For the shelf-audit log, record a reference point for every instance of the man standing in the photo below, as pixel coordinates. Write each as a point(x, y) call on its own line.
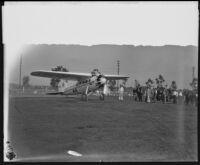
point(148, 93)
point(149, 86)
point(174, 91)
point(136, 91)
point(121, 92)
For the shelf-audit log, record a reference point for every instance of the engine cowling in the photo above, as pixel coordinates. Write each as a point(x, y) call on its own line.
point(101, 80)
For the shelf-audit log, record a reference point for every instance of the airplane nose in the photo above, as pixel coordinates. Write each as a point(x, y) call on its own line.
point(103, 80)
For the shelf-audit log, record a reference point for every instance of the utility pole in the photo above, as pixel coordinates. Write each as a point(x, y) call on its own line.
point(20, 71)
point(118, 62)
point(193, 68)
point(193, 77)
point(118, 65)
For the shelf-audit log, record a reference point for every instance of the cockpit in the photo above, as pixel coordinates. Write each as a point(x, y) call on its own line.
point(95, 72)
point(83, 82)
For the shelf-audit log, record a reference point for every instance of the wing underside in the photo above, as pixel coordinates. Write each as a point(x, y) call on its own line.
point(62, 75)
point(116, 77)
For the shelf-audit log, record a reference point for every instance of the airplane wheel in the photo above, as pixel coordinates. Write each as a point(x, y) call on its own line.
point(102, 97)
point(84, 97)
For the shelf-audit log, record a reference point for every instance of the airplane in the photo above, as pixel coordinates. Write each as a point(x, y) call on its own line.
point(87, 83)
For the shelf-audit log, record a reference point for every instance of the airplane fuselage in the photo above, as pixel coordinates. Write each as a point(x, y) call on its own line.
point(83, 87)
point(90, 82)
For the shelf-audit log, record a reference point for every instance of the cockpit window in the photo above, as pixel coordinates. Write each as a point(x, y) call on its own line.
point(95, 72)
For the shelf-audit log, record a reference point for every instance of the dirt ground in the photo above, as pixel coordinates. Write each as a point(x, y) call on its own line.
point(45, 128)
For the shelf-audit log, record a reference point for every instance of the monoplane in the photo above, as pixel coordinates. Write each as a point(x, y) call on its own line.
point(86, 83)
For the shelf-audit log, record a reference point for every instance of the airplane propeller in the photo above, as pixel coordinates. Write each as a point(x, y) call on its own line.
point(102, 81)
point(105, 85)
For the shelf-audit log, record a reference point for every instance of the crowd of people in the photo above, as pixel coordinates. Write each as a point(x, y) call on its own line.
point(160, 91)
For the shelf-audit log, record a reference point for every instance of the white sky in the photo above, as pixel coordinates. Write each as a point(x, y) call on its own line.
point(87, 23)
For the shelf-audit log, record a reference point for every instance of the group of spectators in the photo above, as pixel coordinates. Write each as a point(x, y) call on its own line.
point(163, 93)
point(160, 92)
point(149, 93)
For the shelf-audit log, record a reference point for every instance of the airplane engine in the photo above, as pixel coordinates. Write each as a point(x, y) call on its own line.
point(102, 80)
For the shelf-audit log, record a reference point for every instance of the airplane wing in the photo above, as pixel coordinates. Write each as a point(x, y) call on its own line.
point(62, 75)
point(116, 77)
point(73, 75)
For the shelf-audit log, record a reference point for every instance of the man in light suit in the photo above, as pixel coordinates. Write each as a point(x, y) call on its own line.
point(121, 92)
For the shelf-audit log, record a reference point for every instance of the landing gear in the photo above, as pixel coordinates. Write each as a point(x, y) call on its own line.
point(102, 96)
point(84, 97)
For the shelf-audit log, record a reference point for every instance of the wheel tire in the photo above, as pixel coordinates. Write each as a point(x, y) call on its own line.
point(102, 97)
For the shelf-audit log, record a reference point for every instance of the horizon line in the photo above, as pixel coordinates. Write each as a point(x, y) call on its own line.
point(107, 44)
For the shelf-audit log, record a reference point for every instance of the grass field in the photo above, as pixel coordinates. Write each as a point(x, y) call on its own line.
point(45, 128)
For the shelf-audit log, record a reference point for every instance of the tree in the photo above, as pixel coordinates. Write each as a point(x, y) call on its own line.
point(161, 78)
point(55, 81)
point(26, 81)
point(194, 83)
point(124, 81)
point(136, 83)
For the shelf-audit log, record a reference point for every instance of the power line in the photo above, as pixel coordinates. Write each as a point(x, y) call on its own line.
point(118, 65)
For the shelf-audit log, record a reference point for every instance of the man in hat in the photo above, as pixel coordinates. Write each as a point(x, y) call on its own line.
point(121, 92)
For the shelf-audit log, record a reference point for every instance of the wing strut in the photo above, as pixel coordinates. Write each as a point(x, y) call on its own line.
point(85, 95)
point(86, 91)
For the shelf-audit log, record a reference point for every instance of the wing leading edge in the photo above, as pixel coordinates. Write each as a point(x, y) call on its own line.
point(61, 75)
point(73, 75)
point(116, 77)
